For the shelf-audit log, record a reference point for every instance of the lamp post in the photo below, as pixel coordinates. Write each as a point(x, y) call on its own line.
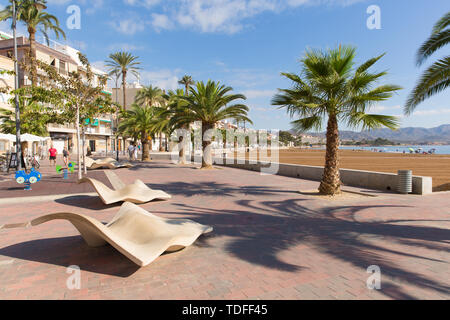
point(16, 5)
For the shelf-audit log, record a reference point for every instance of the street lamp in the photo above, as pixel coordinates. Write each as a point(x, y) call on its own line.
point(17, 5)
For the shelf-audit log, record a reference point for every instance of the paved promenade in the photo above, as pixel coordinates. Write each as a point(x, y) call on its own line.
point(269, 242)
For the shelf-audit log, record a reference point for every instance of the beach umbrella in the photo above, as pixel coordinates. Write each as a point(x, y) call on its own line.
point(411, 149)
point(31, 138)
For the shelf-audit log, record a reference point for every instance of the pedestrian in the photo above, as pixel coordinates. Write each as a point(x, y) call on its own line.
point(131, 151)
point(53, 153)
point(66, 157)
point(136, 152)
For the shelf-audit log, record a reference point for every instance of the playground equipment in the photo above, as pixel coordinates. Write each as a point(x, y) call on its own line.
point(22, 177)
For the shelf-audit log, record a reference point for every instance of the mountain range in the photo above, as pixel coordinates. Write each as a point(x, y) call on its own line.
point(439, 134)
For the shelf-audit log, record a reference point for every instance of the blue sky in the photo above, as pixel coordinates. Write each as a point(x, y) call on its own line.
point(247, 43)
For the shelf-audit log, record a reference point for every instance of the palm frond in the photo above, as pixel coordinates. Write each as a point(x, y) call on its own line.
point(434, 43)
point(434, 80)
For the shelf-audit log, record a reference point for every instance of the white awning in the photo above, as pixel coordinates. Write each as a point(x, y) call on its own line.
point(9, 137)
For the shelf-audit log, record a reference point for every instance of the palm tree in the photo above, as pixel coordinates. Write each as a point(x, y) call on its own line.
point(123, 62)
point(437, 77)
point(138, 122)
point(187, 82)
point(330, 87)
point(152, 97)
point(209, 104)
point(35, 19)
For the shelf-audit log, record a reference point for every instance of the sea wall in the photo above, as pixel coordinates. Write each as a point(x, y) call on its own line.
point(354, 178)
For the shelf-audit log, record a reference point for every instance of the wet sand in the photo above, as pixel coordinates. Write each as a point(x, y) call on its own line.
point(435, 166)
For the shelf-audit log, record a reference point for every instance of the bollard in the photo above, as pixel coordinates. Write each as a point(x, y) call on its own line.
point(404, 181)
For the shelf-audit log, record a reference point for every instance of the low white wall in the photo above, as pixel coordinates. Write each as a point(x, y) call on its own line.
point(354, 178)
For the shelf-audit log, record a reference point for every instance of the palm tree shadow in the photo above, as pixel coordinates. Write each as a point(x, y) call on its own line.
point(214, 189)
point(261, 231)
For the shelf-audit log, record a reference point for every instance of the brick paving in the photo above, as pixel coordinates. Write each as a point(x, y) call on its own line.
point(269, 242)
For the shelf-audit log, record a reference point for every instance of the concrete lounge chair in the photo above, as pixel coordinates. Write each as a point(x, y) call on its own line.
point(107, 163)
point(137, 192)
point(137, 234)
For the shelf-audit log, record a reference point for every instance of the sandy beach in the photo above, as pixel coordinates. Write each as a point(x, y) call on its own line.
point(435, 166)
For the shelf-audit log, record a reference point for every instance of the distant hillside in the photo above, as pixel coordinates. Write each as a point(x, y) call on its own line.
point(404, 135)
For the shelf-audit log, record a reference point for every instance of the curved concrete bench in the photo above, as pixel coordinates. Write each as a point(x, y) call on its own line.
point(107, 163)
point(137, 192)
point(137, 234)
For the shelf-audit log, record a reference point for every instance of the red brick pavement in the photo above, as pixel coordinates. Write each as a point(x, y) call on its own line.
point(269, 242)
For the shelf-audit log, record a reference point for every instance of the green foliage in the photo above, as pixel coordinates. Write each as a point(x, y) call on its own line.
point(209, 103)
point(123, 62)
point(330, 85)
point(150, 96)
point(60, 96)
point(34, 19)
point(436, 78)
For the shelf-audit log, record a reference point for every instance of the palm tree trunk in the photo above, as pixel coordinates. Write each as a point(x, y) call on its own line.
point(124, 84)
point(161, 148)
point(206, 144)
point(145, 147)
point(32, 39)
point(331, 181)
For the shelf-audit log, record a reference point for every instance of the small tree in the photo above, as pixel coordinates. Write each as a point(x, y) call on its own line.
point(74, 97)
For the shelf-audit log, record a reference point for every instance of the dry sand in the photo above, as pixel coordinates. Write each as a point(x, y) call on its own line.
point(435, 166)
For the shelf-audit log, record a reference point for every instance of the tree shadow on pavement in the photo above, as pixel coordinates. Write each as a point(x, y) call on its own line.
point(261, 230)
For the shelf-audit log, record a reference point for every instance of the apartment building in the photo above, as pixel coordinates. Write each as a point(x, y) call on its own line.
point(99, 134)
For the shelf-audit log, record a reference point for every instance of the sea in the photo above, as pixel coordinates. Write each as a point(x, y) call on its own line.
point(400, 149)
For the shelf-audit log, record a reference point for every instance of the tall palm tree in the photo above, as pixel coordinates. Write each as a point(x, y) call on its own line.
point(35, 20)
point(437, 77)
point(138, 122)
point(331, 89)
point(187, 82)
point(123, 62)
point(210, 103)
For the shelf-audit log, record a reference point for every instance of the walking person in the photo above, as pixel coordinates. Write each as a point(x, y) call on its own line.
point(66, 156)
point(136, 149)
point(53, 153)
point(131, 151)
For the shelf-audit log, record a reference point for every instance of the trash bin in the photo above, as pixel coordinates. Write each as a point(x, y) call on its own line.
point(404, 181)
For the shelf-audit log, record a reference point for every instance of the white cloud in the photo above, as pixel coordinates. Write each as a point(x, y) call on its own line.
point(161, 21)
point(252, 94)
point(164, 79)
point(226, 16)
point(124, 47)
point(145, 3)
point(100, 65)
point(128, 26)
